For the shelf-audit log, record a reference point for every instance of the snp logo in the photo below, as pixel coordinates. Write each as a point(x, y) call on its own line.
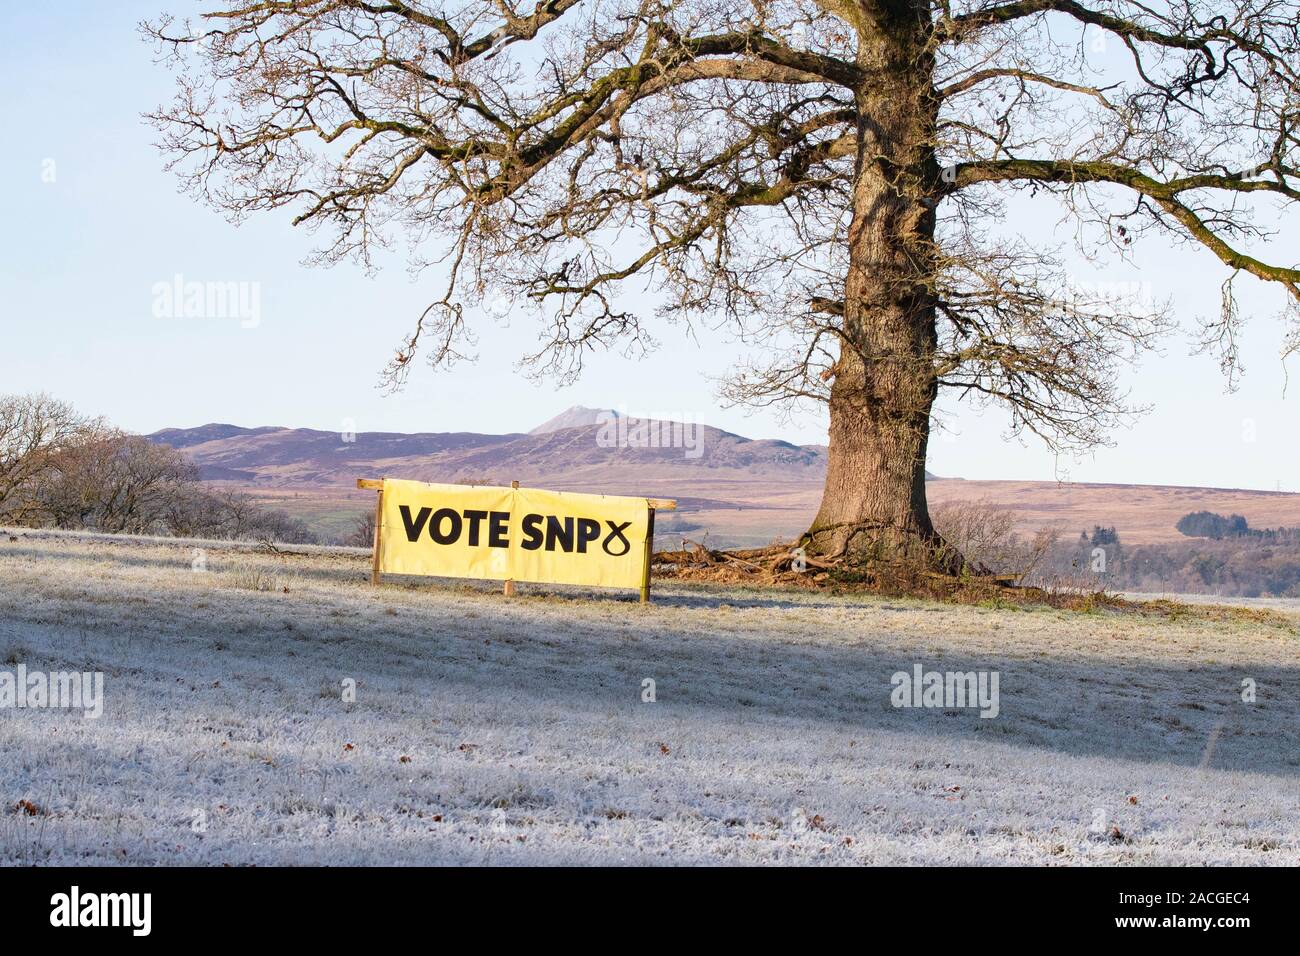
point(103, 909)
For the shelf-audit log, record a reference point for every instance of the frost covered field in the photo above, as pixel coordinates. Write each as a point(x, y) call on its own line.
point(487, 730)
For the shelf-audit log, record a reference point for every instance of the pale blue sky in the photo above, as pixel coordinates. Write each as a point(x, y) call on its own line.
point(79, 257)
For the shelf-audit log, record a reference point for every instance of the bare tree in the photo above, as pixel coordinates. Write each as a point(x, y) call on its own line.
point(237, 512)
point(33, 430)
point(193, 512)
point(114, 482)
point(824, 176)
point(59, 468)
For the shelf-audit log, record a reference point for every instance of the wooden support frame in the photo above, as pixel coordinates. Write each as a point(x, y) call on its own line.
point(658, 504)
point(649, 556)
point(375, 576)
point(508, 589)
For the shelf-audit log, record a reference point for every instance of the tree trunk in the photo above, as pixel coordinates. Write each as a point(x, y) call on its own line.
point(874, 505)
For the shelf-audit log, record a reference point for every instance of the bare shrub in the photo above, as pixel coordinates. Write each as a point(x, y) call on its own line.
point(362, 534)
point(985, 534)
point(252, 576)
point(232, 515)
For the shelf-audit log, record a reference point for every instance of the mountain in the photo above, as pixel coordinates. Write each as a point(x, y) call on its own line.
point(578, 416)
point(189, 437)
point(303, 456)
point(578, 446)
point(596, 452)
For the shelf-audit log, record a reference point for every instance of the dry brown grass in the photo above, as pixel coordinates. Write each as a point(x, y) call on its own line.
point(1142, 514)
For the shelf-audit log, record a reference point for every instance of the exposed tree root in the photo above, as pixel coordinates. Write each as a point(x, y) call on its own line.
point(782, 565)
point(866, 544)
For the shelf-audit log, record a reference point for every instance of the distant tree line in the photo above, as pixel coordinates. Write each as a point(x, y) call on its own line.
point(1225, 557)
point(1207, 524)
point(1237, 566)
point(59, 469)
point(1259, 563)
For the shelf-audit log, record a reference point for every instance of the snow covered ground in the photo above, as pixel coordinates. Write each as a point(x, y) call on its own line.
point(494, 730)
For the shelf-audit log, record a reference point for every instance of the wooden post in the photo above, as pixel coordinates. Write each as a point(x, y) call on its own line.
point(379, 536)
point(649, 555)
point(508, 589)
point(377, 484)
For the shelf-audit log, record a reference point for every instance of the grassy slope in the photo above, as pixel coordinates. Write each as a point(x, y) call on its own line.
point(528, 741)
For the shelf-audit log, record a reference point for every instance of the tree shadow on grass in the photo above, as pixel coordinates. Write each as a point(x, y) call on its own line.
point(1175, 711)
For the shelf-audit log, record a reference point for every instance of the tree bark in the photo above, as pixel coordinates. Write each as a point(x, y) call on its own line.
point(874, 504)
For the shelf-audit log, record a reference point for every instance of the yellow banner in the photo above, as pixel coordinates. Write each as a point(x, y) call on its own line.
point(519, 534)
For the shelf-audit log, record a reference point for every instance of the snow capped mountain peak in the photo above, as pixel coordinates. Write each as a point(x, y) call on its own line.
point(578, 416)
